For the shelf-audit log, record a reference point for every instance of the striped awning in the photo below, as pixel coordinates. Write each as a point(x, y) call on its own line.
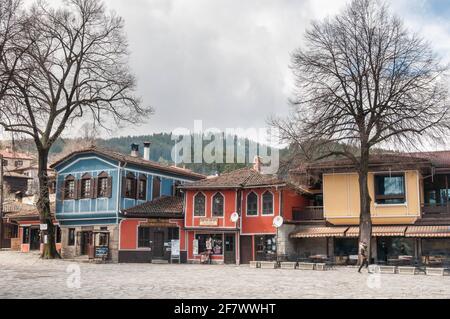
point(428, 231)
point(313, 232)
point(379, 231)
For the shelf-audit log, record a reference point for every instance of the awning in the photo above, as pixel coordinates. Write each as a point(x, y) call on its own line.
point(379, 231)
point(428, 231)
point(313, 232)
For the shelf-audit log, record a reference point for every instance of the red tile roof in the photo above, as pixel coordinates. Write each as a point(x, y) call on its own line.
point(15, 155)
point(162, 207)
point(21, 211)
point(241, 178)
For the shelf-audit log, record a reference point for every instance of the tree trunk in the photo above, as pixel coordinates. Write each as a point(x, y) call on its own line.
point(43, 206)
point(365, 223)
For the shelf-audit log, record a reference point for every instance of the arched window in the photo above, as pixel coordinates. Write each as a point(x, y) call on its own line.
point(199, 205)
point(218, 205)
point(252, 204)
point(267, 203)
point(86, 186)
point(142, 187)
point(69, 187)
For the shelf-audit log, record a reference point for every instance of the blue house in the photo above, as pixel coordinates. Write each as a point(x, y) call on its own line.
point(95, 185)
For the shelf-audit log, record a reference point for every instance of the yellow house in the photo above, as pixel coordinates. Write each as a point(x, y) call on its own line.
point(410, 196)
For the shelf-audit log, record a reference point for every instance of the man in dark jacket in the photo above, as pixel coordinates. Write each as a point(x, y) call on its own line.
point(364, 256)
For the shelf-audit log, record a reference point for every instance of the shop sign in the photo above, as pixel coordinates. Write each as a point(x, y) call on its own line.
point(175, 248)
point(43, 226)
point(209, 222)
point(101, 252)
point(195, 246)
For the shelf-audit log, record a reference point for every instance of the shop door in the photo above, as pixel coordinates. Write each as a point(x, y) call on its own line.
point(230, 250)
point(246, 249)
point(35, 239)
point(158, 244)
point(85, 242)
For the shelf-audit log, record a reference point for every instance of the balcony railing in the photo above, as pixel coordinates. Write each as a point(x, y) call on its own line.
point(308, 213)
point(435, 211)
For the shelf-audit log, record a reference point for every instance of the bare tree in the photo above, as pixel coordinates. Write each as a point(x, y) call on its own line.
point(74, 67)
point(364, 81)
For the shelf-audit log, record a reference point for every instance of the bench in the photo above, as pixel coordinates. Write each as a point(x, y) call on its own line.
point(320, 266)
point(306, 266)
point(288, 265)
point(435, 271)
point(404, 270)
point(387, 269)
point(267, 264)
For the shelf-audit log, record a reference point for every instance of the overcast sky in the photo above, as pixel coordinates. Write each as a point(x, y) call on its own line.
point(226, 62)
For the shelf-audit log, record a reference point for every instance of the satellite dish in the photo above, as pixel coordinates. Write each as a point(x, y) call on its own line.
point(278, 221)
point(234, 217)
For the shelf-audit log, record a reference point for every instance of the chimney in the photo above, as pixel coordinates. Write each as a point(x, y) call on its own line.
point(257, 164)
point(147, 150)
point(134, 150)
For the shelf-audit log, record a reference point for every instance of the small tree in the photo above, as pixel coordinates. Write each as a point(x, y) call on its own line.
point(364, 81)
point(74, 66)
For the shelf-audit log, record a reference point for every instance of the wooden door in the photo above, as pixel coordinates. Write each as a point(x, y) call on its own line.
point(85, 243)
point(230, 249)
point(246, 249)
point(158, 244)
point(35, 239)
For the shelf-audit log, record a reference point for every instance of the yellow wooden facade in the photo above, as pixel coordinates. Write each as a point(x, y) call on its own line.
point(341, 200)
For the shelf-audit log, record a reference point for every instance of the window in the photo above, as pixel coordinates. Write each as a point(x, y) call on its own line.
point(86, 186)
point(18, 163)
point(69, 187)
point(218, 205)
point(156, 187)
point(176, 190)
point(26, 235)
point(5, 163)
point(174, 233)
point(214, 242)
point(130, 186)
point(252, 204)
point(390, 189)
point(144, 237)
point(10, 231)
point(104, 185)
point(142, 187)
point(267, 203)
point(71, 237)
point(265, 247)
point(199, 205)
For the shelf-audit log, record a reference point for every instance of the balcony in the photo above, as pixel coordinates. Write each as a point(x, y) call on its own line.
point(308, 213)
point(435, 211)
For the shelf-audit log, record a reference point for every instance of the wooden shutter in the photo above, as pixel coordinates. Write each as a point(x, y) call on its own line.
point(94, 187)
point(109, 187)
point(124, 186)
point(78, 189)
point(62, 190)
point(134, 188)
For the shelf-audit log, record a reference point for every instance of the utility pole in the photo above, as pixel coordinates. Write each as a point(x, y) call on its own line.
point(1, 201)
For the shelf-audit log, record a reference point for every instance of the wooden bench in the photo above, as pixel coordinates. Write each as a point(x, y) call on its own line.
point(435, 271)
point(405, 270)
point(388, 269)
point(255, 264)
point(288, 265)
point(306, 266)
point(267, 264)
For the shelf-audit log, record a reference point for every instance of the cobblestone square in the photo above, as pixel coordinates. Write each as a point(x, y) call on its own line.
point(26, 276)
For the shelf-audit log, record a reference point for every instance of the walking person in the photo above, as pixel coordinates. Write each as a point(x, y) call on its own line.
point(364, 256)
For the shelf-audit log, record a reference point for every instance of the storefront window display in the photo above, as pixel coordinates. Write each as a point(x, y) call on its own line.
point(210, 242)
point(265, 247)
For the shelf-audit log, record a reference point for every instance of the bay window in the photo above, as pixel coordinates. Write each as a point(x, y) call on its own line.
point(390, 189)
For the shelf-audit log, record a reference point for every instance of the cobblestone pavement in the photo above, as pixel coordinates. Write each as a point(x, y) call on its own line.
point(26, 276)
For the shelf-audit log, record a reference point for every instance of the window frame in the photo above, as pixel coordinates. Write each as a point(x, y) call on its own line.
point(141, 195)
point(86, 178)
point(247, 204)
point(146, 238)
point(130, 193)
point(272, 195)
point(378, 198)
point(213, 204)
point(194, 210)
point(67, 195)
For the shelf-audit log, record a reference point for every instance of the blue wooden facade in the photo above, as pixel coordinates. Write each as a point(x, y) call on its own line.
point(106, 210)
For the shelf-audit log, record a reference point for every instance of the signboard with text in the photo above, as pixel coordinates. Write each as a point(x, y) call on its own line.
point(209, 222)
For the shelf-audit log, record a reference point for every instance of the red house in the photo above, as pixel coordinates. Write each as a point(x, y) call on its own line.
point(253, 198)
